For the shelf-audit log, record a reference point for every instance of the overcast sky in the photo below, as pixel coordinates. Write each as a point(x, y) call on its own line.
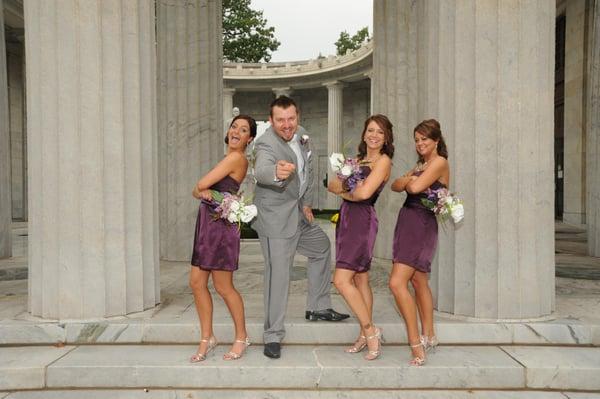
point(306, 28)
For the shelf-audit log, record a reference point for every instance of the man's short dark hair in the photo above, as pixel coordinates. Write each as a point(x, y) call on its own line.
point(283, 102)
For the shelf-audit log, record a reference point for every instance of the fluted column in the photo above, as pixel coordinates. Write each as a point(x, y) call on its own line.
point(593, 133)
point(393, 88)
point(574, 113)
point(227, 106)
point(335, 114)
point(190, 113)
point(92, 157)
point(18, 157)
point(5, 196)
point(487, 73)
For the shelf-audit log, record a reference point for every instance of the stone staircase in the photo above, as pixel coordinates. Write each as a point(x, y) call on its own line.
point(149, 358)
point(145, 355)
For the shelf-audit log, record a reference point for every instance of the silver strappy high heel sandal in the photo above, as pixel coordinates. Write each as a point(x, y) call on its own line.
point(199, 357)
point(235, 356)
point(374, 354)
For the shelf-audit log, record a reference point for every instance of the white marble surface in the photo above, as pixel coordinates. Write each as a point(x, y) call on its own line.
point(449, 367)
point(25, 367)
point(156, 366)
point(294, 394)
point(592, 143)
point(190, 113)
point(551, 333)
point(559, 367)
point(93, 250)
point(18, 140)
point(574, 186)
point(5, 186)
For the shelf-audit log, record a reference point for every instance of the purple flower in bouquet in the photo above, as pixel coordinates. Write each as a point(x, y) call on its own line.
point(348, 170)
point(232, 207)
point(444, 204)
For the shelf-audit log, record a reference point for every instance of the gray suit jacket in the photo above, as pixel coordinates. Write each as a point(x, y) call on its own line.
point(278, 202)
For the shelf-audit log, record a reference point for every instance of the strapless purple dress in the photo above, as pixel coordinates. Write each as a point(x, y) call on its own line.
point(416, 232)
point(216, 241)
point(356, 231)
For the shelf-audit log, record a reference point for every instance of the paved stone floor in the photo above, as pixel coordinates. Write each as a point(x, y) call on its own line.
point(577, 282)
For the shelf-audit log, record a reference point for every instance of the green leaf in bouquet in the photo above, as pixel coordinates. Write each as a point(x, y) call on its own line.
point(429, 204)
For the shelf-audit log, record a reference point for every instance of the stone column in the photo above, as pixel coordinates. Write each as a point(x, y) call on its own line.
point(574, 122)
point(485, 71)
point(488, 76)
point(393, 88)
point(282, 91)
point(190, 113)
point(335, 114)
point(5, 195)
point(593, 132)
point(227, 113)
point(16, 110)
point(91, 95)
point(369, 75)
point(227, 106)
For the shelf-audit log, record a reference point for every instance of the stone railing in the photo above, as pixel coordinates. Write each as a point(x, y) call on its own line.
point(296, 68)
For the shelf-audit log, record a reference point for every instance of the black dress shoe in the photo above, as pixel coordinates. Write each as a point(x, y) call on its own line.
point(327, 314)
point(272, 350)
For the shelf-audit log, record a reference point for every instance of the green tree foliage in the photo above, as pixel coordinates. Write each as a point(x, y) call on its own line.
point(346, 42)
point(246, 36)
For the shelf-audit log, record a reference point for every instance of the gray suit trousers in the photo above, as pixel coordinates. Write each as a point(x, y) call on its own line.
point(309, 241)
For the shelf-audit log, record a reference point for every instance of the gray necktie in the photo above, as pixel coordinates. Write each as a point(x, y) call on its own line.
point(295, 146)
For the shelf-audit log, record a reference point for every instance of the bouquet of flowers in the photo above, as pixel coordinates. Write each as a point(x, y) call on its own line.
point(347, 170)
point(232, 207)
point(444, 204)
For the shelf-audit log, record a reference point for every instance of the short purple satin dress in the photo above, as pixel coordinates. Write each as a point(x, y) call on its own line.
point(356, 231)
point(416, 232)
point(216, 242)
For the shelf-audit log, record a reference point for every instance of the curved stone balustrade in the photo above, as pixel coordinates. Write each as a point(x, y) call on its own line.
point(297, 69)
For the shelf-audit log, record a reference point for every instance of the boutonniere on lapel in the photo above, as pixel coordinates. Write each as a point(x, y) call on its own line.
point(304, 139)
point(304, 143)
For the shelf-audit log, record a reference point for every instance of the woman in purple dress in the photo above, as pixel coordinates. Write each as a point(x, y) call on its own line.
point(357, 228)
point(415, 237)
point(217, 243)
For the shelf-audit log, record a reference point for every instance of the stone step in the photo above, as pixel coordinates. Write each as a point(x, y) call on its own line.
point(298, 331)
point(136, 393)
point(302, 367)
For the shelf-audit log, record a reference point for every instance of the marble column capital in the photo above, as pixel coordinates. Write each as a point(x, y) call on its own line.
point(229, 91)
point(282, 91)
point(334, 85)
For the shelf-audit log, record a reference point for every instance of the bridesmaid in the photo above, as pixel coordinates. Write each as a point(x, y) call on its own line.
point(217, 243)
point(357, 227)
point(415, 237)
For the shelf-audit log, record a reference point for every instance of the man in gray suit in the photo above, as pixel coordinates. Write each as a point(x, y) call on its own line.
point(283, 196)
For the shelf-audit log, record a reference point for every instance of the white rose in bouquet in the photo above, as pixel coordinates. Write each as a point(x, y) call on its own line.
point(248, 213)
point(346, 170)
point(232, 217)
point(336, 160)
point(458, 212)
